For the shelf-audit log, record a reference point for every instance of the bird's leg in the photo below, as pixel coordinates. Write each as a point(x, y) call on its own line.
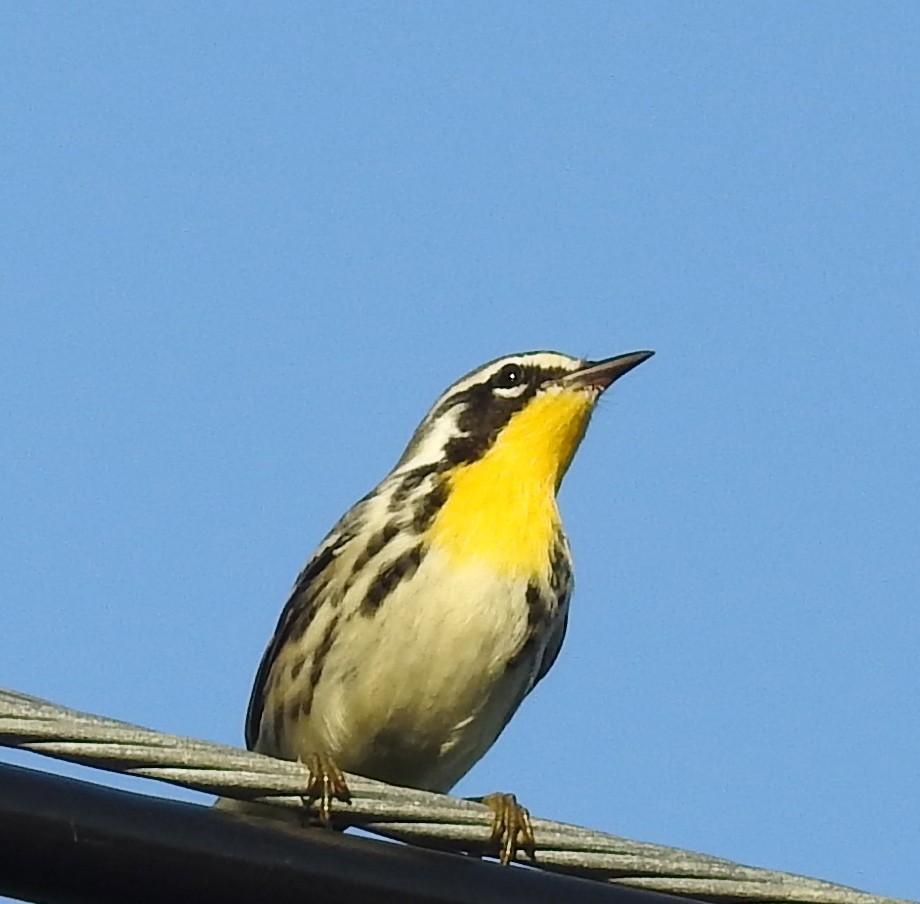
point(512, 830)
point(327, 783)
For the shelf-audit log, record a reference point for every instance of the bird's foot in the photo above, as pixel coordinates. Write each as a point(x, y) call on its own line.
point(327, 783)
point(512, 830)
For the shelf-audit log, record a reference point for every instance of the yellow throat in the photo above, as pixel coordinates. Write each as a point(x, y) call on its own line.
point(501, 509)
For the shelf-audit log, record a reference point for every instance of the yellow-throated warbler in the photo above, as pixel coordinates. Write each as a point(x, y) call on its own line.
point(439, 600)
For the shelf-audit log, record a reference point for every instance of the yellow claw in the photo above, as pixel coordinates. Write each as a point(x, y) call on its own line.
point(512, 830)
point(327, 783)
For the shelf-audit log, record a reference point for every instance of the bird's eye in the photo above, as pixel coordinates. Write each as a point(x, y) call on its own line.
point(509, 376)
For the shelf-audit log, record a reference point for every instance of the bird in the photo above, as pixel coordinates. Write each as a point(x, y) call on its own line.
point(440, 599)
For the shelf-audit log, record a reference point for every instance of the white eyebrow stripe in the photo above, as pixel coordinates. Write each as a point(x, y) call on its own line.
point(548, 360)
point(439, 425)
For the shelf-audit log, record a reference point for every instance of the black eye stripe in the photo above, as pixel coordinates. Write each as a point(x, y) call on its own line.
point(482, 410)
point(509, 376)
point(483, 414)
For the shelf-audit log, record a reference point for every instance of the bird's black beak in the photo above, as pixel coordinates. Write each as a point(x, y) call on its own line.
point(600, 374)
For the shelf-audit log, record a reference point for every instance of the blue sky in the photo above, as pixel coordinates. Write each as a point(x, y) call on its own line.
point(243, 250)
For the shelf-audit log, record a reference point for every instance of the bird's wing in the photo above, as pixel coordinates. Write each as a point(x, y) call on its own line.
point(554, 644)
point(562, 583)
point(296, 616)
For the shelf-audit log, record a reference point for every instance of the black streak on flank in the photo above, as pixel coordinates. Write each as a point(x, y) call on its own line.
point(301, 609)
point(389, 578)
point(319, 661)
point(374, 545)
point(560, 574)
point(315, 567)
point(296, 617)
point(538, 610)
point(278, 720)
point(297, 668)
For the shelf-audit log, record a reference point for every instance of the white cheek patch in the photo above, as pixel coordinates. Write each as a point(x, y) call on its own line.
point(430, 448)
point(440, 425)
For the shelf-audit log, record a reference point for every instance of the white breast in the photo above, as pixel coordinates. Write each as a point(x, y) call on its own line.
point(417, 692)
